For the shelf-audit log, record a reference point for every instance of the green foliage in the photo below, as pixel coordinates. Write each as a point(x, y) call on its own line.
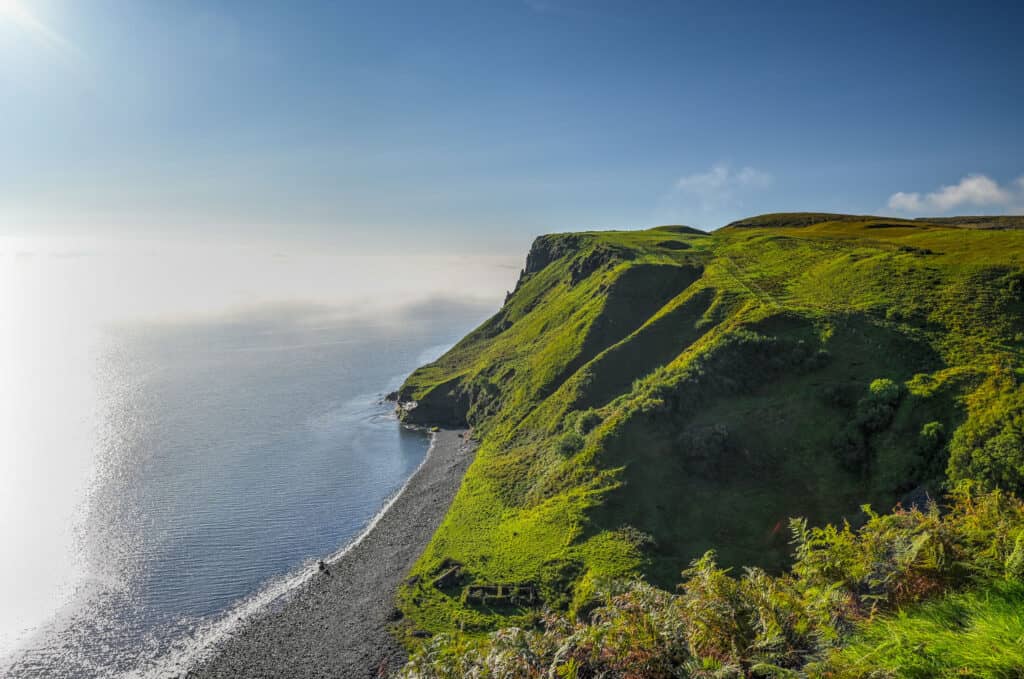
point(884, 391)
point(974, 634)
point(892, 596)
point(875, 411)
point(586, 421)
point(874, 414)
point(989, 447)
point(702, 388)
point(933, 435)
point(1015, 562)
point(713, 607)
point(570, 442)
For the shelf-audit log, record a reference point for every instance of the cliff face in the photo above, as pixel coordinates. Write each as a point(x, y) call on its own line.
point(626, 300)
point(546, 249)
point(642, 397)
point(444, 405)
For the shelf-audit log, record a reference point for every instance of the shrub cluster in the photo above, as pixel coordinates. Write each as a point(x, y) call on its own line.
point(989, 446)
point(755, 624)
point(874, 414)
point(742, 362)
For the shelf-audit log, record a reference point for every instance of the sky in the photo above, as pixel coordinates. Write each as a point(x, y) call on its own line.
point(474, 126)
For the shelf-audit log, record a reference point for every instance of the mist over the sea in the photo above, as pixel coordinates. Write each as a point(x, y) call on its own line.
point(180, 425)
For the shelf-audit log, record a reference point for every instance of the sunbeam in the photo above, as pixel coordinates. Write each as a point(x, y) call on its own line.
point(15, 12)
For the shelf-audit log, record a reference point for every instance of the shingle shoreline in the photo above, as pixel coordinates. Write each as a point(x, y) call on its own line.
point(337, 625)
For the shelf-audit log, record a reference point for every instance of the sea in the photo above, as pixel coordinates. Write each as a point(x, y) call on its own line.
point(185, 430)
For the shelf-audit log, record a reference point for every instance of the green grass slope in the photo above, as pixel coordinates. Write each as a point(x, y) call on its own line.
point(644, 396)
point(910, 593)
point(977, 633)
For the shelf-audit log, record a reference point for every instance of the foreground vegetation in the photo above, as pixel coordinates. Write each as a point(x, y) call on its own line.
point(645, 397)
point(883, 600)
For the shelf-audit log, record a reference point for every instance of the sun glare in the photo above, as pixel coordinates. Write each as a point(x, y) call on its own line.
point(12, 9)
point(15, 12)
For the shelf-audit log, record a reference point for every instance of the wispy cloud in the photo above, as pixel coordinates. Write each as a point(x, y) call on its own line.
point(974, 190)
point(721, 186)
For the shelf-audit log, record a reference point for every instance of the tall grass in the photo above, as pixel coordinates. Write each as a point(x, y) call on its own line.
point(973, 634)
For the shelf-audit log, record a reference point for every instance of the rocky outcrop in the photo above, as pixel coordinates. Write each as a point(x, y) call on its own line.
point(600, 256)
point(445, 405)
point(544, 251)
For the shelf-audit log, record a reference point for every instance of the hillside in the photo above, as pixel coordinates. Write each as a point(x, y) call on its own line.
point(645, 396)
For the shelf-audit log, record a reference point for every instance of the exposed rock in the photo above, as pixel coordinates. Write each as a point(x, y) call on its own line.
point(595, 259)
point(445, 405)
point(546, 249)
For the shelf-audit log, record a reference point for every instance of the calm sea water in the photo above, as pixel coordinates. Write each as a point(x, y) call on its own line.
point(195, 464)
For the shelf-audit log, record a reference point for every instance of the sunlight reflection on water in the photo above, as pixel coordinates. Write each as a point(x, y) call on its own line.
point(178, 431)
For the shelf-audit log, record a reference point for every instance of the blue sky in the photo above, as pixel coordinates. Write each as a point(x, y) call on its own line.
point(473, 126)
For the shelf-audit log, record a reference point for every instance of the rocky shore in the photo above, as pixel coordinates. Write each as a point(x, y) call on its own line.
point(337, 623)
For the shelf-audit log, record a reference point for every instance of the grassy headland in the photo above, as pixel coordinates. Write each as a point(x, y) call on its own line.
point(645, 396)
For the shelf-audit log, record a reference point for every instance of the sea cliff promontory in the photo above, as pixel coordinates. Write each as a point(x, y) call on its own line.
point(645, 396)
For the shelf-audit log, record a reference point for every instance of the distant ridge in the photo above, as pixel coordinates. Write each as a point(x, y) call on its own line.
point(680, 229)
point(979, 222)
point(798, 219)
point(804, 219)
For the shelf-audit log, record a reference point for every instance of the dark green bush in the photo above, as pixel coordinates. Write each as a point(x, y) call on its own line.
point(874, 413)
point(587, 420)
point(569, 443)
point(933, 435)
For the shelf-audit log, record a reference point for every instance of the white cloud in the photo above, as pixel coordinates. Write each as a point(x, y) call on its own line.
point(975, 190)
point(908, 202)
point(721, 186)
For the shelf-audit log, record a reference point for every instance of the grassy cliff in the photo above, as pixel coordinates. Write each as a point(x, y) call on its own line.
point(645, 396)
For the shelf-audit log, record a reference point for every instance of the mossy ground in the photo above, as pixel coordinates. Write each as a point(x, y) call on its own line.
point(645, 396)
